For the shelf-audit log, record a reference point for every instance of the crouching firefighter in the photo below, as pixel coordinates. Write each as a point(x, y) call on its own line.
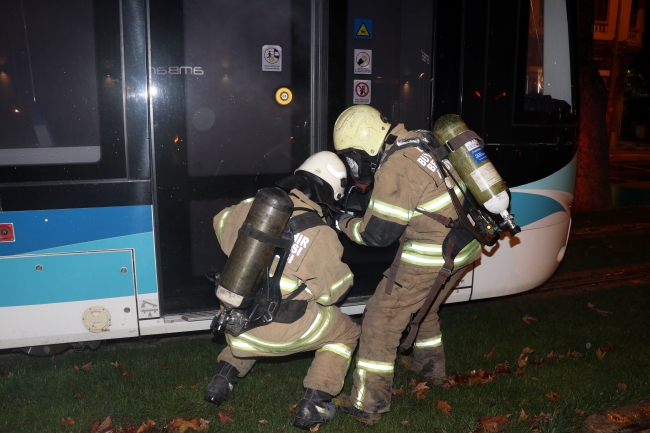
point(419, 199)
point(279, 286)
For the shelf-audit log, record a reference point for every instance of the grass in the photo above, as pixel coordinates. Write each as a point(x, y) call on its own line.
point(169, 375)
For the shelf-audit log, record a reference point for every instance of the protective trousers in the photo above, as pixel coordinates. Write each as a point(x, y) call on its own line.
point(385, 318)
point(334, 348)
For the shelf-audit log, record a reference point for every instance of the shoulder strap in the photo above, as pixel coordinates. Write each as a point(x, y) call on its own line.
point(305, 221)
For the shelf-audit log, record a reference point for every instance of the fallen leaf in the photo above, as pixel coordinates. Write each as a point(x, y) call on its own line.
point(622, 386)
point(116, 364)
point(84, 368)
point(412, 381)
point(181, 425)
point(523, 402)
point(522, 361)
point(179, 387)
point(67, 421)
point(490, 354)
point(520, 372)
point(229, 408)
point(263, 421)
point(405, 422)
point(444, 407)
point(195, 386)
point(397, 392)
point(551, 355)
point(225, 419)
point(102, 427)
point(77, 395)
point(293, 407)
point(542, 417)
point(528, 318)
point(421, 390)
point(526, 350)
point(147, 426)
point(601, 312)
point(128, 373)
point(600, 354)
point(580, 412)
point(522, 415)
point(538, 362)
point(203, 424)
point(494, 423)
point(552, 395)
point(314, 428)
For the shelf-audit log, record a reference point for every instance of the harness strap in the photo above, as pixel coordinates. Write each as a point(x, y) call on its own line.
point(434, 290)
point(250, 231)
point(393, 267)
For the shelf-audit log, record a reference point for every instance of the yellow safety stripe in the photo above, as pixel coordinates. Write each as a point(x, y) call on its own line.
point(339, 349)
point(437, 260)
point(319, 325)
point(376, 366)
point(442, 201)
point(221, 222)
point(390, 210)
point(355, 231)
point(361, 389)
point(428, 249)
point(289, 285)
point(327, 296)
point(428, 343)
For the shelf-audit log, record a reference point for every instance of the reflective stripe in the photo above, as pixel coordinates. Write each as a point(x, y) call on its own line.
point(327, 296)
point(390, 210)
point(361, 389)
point(430, 342)
point(319, 325)
point(355, 231)
point(441, 201)
point(289, 285)
point(339, 349)
point(376, 366)
point(221, 221)
point(434, 249)
point(432, 259)
point(248, 200)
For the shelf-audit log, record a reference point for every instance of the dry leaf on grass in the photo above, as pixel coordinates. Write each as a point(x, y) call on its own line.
point(67, 421)
point(522, 415)
point(552, 395)
point(147, 427)
point(600, 354)
point(542, 417)
point(443, 407)
point(522, 361)
point(421, 390)
point(229, 408)
point(493, 424)
point(77, 395)
point(405, 422)
point(528, 318)
point(520, 372)
point(314, 428)
point(601, 312)
point(490, 354)
point(83, 368)
point(622, 386)
point(263, 421)
point(293, 407)
point(580, 412)
point(397, 392)
point(101, 427)
point(224, 418)
point(181, 425)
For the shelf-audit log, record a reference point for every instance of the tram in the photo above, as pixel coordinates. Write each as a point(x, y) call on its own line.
point(126, 125)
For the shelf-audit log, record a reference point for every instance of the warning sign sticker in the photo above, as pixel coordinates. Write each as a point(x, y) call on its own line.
point(272, 58)
point(361, 92)
point(362, 28)
point(363, 61)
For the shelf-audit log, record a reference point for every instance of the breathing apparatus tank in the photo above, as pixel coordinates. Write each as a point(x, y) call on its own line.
point(466, 155)
point(258, 237)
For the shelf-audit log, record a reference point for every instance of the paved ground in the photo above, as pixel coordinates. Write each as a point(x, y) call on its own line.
point(630, 165)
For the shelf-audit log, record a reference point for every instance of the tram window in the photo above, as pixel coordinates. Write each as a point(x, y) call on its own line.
point(547, 87)
point(48, 83)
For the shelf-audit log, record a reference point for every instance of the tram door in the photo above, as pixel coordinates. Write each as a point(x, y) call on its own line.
point(230, 86)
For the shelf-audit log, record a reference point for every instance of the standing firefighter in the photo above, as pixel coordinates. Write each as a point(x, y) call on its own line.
point(312, 281)
point(409, 202)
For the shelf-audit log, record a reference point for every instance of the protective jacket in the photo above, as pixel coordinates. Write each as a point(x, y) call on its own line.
point(407, 184)
point(316, 261)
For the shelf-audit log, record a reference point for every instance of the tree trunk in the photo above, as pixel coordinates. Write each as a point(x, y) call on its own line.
point(592, 190)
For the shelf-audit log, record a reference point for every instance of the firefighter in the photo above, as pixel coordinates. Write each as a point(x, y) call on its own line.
point(315, 273)
point(408, 193)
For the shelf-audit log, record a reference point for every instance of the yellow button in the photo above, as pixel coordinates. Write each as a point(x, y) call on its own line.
point(283, 96)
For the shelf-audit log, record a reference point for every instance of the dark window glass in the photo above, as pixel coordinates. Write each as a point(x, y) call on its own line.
point(600, 10)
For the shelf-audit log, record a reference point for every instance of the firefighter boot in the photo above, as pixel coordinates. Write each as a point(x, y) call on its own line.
point(344, 404)
point(432, 371)
point(315, 407)
point(223, 381)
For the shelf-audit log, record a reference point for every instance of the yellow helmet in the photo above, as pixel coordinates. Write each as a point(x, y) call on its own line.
point(360, 127)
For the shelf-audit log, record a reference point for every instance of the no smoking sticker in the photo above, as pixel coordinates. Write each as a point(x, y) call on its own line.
point(363, 61)
point(361, 92)
point(272, 58)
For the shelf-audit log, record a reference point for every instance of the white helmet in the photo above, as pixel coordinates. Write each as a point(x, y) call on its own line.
point(329, 167)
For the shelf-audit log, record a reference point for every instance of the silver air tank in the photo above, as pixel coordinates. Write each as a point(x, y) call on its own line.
point(250, 256)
